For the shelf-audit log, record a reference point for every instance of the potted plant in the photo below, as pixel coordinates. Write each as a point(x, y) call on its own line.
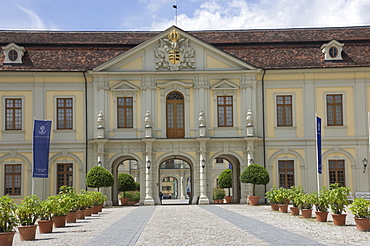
point(256, 175)
point(82, 205)
point(99, 177)
point(219, 195)
point(283, 199)
point(295, 196)
point(271, 196)
point(45, 221)
point(74, 199)
point(62, 204)
point(125, 183)
point(321, 203)
point(225, 182)
point(28, 212)
point(8, 220)
point(307, 201)
point(337, 197)
point(361, 210)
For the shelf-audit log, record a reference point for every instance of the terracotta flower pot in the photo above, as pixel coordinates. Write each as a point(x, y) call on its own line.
point(306, 213)
point(294, 210)
point(71, 217)
point(6, 238)
point(274, 206)
point(95, 209)
point(215, 201)
point(45, 226)
point(228, 199)
point(87, 212)
point(362, 224)
point(81, 214)
point(124, 201)
point(27, 232)
point(321, 216)
point(59, 221)
point(253, 200)
point(100, 207)
point(283, 208)
point(339, 219)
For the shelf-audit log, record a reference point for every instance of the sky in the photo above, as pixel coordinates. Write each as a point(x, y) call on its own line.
point(158, 15)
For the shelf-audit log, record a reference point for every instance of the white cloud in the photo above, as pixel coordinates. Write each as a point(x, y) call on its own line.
point(242, 14)
point(154, 5)
point(34, 21)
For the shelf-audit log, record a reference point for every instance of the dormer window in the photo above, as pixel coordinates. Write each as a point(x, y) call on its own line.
point(13, 54)
point(332, 51)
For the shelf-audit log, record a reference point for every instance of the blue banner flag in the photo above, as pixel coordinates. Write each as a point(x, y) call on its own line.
point(318, 144)
point(41, 144)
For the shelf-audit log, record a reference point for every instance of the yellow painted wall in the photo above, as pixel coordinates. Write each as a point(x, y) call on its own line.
point(78, 99)
point(298, 107)
point(348, 107)
point(27, 110)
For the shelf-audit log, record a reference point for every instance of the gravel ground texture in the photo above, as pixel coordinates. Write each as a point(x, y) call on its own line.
point(203, 225)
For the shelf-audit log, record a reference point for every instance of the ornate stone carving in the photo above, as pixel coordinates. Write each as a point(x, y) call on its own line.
point(148, 119)
point(174, 53)
point(202, 119)
point(100, 120)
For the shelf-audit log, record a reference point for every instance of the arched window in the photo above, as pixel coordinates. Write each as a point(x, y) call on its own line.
point(175, 115)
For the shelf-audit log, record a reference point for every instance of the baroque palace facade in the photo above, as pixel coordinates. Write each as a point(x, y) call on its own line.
point(180, 107)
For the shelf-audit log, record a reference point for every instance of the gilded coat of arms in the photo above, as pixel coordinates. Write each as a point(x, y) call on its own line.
point(174, 53)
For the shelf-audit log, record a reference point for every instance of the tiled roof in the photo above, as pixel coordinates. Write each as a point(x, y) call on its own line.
point(270, 49)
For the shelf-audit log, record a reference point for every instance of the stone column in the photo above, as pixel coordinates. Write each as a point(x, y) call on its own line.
point(182, 196)
point(203, 199)
point(148, 201)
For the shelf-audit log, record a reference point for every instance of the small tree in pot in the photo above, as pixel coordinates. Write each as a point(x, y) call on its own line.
point(28, 211)
point(256, 175)
point(125, 183)
point(8, 219)
point(338, 200)
point(225, 182)
point(99, 177)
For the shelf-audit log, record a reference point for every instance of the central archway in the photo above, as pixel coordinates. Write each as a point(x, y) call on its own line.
point(175, 182)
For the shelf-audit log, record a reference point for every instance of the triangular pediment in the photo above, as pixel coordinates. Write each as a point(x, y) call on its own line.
point(124, 86)
point(174, 50)
point(224, 85)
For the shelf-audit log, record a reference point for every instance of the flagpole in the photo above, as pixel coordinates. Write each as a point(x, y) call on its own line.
point(33, 160)
point(318, 149)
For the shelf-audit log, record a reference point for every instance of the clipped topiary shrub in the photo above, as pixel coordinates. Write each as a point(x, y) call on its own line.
point(99, 177)
point(225, 179)
point(255, 174)
point(125, 183)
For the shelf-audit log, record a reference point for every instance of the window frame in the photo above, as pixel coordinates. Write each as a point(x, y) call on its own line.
point(284, 105)
point(294, 171)
point(57, 173)
point(125, 107)
point(73, 112)
point(225, 118)
point(336, 169)
point(6, 113)
point(342, 109)
point(175, 131)
point(13, 174)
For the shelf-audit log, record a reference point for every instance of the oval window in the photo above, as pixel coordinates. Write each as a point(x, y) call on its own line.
point(333, 52)
point(13, 55)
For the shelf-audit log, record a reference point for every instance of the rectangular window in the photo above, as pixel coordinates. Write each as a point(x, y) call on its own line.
point(13, 109)
point(225, 111)
point(65, 113)
point(286, 173)
point(64, 175)
point(219, 160)
point(334, 108)
point(124, 112)
point(13, 179)
point(337, 172)
point(284, 110)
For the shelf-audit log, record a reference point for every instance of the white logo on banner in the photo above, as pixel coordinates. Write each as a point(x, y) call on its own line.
point(42, 130)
